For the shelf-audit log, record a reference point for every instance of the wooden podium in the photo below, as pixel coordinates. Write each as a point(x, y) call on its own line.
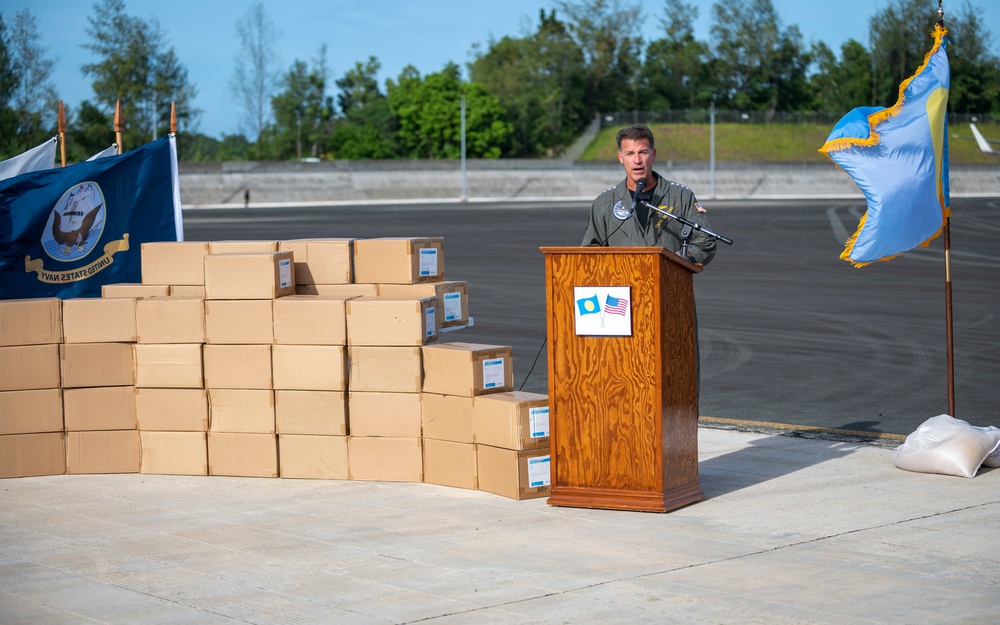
point(623, 409)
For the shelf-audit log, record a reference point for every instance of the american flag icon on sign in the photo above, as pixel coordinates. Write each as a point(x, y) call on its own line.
point(616, 306)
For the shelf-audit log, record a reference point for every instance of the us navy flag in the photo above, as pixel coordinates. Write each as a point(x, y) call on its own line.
point(65, 232)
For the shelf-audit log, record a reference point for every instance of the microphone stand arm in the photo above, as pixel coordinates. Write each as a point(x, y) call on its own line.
point(688, 224)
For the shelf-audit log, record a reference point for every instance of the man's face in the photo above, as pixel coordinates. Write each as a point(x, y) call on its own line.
point(637, 158)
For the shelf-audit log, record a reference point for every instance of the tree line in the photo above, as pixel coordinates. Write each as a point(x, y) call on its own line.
point(528, 95)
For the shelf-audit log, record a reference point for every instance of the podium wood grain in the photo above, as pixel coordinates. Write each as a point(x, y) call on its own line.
point(624, 409)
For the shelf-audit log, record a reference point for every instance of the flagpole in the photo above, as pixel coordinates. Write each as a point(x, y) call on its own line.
point(173, 118)
point(119, 124)
point(62, 132)
point(949, 329)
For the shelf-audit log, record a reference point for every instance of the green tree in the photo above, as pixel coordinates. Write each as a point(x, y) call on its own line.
point(367, 128)
point(841, 85)
point(303, 111)
point(675, 72)
point(429, 116)
point(256, 73)
point(763, 65)
point(539, 80)
point(899, 38)
point(137, 67)
point(8, 83)
point(975, 71)
point(604, 31)
point(34, 97)
point(90, 131)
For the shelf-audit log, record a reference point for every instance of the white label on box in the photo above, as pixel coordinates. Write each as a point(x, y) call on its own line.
point(430, 323)
point(285, 273)
point(493, 373)
point(539, 473)
point(452, 306)
point(538, 418)
point(428, 261)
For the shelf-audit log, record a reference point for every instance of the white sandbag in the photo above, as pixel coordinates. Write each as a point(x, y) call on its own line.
point(944, 444)
point(992, 460)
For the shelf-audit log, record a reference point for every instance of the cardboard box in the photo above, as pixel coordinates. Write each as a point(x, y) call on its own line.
point(305, 320)
point(27, 367)
point(449, 463)
point(452, 296)
point(343, 291)
point(98, 320)
point(446, 417)
point(134, 290)
point(391, 322)
point(384, 414)
point(514, 420)
point(173, 453)
point(235, 247)
point(237, 366)
point(386, 369)
point(171, 409)
point(241, 410)
point(111, 451)
point(240, 454)
point(321, 261)
point(468, 369)
point(31, 321)
point(31, 412)
point(514, 474)
point(174, 262)
point(310, 412)
point(97, 364)
point(394, 260)
point(29, 455)
point(310, 367)
point(239, 322)
point(170, 320)
point(249, 275)
point(386, 458)
point(195, 291)
point(99, 408)
point(313, 457)
point(169, 365)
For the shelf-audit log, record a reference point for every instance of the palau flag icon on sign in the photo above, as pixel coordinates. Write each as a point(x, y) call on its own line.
point(589, 305)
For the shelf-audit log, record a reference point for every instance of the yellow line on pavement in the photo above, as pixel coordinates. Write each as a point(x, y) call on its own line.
point(804, 428)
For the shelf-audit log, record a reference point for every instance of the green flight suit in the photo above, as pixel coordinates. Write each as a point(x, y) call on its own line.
point(611, 222)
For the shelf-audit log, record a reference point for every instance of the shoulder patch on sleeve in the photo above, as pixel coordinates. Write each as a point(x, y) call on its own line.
point(699, 207)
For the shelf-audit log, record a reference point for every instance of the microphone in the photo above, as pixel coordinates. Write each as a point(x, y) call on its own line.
point(640, 184)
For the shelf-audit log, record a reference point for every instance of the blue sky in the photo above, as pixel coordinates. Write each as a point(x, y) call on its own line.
point(426, 35)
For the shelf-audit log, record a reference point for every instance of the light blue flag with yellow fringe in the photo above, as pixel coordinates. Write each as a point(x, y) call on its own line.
point(898, 156)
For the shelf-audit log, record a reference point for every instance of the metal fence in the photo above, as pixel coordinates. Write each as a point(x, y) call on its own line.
point(701, 116)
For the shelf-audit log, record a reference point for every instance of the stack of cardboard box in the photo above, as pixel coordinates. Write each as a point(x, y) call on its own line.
point(170, 396)
point(98, 379)
point(215, 366)
point(240, 289)
point(512, 444)
point(31, 397)
point(385, 336)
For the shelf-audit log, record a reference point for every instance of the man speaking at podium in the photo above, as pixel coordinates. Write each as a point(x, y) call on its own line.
point(620, 217)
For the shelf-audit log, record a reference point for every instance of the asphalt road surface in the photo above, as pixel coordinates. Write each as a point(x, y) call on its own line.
point(789, 333)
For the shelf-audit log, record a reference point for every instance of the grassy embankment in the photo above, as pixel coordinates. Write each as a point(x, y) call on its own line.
point(776, 143)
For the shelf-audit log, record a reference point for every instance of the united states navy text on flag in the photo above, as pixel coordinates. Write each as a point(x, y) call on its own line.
point(899, 158)
point(66, 232)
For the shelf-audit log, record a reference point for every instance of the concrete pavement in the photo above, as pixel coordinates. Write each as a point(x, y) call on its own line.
point(792, 530)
